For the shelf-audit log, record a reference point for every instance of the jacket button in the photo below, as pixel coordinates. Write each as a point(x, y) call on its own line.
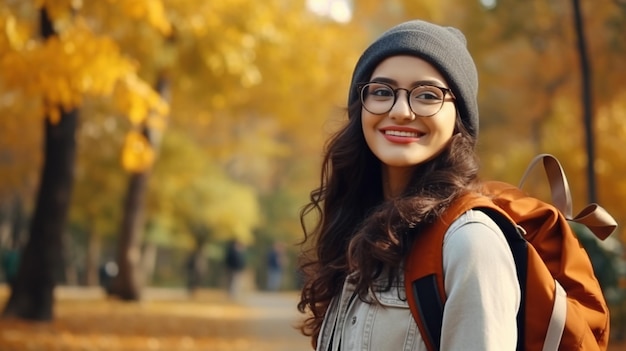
point(354, 320)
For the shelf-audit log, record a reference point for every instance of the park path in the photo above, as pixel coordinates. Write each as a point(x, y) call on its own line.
point(165, 319)
point(263, 321)
point(254, 320)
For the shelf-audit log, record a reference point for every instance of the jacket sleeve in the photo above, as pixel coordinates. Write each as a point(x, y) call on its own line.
point(481, 285)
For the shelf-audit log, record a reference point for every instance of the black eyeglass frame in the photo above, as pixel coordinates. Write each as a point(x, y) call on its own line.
point(445, 91)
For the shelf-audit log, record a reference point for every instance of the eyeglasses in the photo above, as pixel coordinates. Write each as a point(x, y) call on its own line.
point(424, 100)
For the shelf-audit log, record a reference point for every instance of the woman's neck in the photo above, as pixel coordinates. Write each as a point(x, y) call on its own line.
point(395, 180)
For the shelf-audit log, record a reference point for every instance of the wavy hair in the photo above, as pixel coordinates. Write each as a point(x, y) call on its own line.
point(355, 230)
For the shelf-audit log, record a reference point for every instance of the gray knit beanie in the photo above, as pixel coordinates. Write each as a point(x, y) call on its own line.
point(443, 47)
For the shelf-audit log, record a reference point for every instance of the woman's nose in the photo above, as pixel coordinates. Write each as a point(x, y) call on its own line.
point(401, 109)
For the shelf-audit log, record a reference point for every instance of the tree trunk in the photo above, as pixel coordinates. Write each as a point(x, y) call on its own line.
point(587, 102)
point(41, 263)
point(127, 284)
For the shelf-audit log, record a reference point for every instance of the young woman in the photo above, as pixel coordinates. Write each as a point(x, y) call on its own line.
point(406, 152)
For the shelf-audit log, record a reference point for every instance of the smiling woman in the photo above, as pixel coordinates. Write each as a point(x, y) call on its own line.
point(405, 154)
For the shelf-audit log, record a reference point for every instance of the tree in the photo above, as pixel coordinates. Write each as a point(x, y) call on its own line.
point(32, 295)
point(127, 283)
point(59, 95)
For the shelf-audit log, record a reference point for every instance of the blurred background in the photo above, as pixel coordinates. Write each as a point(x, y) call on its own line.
point(172, 143)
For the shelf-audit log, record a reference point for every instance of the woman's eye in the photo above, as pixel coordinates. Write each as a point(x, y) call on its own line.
point(427, 96)
point(427, 93)
point(383, 92)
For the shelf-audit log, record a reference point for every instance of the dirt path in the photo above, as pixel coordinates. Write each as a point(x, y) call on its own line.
point(166, 320)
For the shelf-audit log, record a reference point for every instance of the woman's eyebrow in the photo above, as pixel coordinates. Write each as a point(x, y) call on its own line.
point(436, 83)
point(391, 81)
point(385, 80)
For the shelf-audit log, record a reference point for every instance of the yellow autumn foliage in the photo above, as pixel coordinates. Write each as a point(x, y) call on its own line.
point(60, 72)
point(138, 99)
point(152, 11)
point(137, 153)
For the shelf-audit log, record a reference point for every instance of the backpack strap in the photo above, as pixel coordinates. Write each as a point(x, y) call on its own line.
point(423, 273)
point(593, 216)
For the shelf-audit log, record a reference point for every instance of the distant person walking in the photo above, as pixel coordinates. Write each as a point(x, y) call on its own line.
point(276, 261)
point(235, 263)
point(10, 265)
point(106, 273)
point(193, 268)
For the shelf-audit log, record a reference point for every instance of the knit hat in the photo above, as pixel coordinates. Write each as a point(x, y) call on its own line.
point(443, 47)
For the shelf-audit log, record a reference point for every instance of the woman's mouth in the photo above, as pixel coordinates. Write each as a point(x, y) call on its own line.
point(402, 136)
point(401, 133)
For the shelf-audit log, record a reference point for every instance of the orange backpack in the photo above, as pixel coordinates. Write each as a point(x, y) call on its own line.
point(562, 306)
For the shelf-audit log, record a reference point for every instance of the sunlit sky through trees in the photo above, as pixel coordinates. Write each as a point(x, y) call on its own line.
point(338, 10)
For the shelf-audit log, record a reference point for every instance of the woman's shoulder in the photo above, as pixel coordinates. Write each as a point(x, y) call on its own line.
point(473, 219)
point(474, 230)
point(474, 246)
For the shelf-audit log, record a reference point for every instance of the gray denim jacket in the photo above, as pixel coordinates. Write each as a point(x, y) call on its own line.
point(390, 318)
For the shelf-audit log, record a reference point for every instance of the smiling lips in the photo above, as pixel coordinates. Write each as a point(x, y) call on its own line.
point(402, 136)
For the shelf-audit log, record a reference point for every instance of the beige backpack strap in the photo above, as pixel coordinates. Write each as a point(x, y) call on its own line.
point(593, 216)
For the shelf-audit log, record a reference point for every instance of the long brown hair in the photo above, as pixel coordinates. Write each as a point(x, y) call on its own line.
point(356, 230)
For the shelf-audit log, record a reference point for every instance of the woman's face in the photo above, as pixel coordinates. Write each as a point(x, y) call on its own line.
point(400, 138)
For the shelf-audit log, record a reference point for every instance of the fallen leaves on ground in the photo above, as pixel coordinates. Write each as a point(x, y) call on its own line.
point(208, 321)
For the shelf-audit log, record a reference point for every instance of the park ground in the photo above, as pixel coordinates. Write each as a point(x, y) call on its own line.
point(166, 319)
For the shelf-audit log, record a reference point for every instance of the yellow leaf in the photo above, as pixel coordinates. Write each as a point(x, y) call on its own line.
point(137, 100)
point(137, 154)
